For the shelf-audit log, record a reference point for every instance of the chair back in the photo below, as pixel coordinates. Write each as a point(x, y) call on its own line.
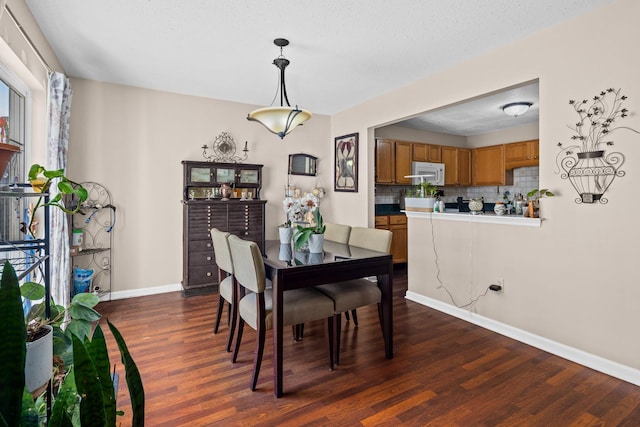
point(337, 232)
point(221, 250)
point(371, 238)
point(248, 266)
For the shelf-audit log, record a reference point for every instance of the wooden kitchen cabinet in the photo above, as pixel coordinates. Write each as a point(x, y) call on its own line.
point(393, 161)
point(385, 161)
point(397, 224)
point(489, 166)
point(457, 165)
point(427, 153)
point(403, 153)
point(520, 154)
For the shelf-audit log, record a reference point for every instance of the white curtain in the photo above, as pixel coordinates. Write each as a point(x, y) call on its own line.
point(59, 110)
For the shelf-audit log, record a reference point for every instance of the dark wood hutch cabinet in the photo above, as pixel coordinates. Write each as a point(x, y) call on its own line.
point(204, 209)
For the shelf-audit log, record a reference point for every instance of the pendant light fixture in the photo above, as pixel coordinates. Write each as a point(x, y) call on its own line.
point(516, 109)
point(283, 119)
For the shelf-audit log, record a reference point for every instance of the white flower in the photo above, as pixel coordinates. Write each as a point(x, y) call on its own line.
point(309, 203)
point(288, 204)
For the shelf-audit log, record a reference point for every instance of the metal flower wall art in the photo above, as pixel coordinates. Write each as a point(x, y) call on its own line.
point(587, 163)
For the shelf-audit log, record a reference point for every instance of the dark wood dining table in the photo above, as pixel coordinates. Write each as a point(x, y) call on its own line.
point(290, 269)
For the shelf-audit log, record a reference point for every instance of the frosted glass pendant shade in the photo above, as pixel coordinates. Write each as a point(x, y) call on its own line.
point(279, 120)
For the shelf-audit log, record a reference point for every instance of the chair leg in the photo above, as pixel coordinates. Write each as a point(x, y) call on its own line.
point(219, 314)
point(297, 331)
point(330, 336)
point(337, 325)
point(346, 315)
point(233, 308)
point(355, 317)
point(259, 351)
point(238, 339)
point(229, 313)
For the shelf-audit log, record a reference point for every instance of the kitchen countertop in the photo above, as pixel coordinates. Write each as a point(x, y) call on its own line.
point(388, 209)
point(487, 217)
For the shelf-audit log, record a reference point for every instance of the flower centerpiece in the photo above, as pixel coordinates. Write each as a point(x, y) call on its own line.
point(313, 234)
point(300, 212)
point(585, 163)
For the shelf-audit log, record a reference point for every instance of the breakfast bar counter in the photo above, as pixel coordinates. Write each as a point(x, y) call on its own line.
point(488, 218)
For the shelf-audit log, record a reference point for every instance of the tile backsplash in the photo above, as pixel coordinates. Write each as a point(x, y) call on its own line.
point(524, 180)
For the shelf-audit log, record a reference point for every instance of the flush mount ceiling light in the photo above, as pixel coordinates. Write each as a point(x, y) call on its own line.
point(516, 109)
point(283, 119)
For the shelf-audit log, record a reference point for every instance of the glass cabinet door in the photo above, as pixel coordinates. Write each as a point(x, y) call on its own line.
point(200, 175)
point(225, 175)
point(249, 176)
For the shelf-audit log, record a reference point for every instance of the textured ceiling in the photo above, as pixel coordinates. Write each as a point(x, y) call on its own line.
point(342, 52)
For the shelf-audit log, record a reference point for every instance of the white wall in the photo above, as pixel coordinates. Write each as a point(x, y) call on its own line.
point(573, 280)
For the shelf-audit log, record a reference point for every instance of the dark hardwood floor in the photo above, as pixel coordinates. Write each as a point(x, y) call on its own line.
point(445, 372)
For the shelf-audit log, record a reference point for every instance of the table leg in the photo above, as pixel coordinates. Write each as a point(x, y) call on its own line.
point(385, 282)
point(277, 336)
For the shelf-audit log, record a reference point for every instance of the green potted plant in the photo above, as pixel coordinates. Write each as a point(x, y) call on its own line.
point(313, 234)
point(86, 395)
point(41, 180)
point(534, 196)
point(422, 199)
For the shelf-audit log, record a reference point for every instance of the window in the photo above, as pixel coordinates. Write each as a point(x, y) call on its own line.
point(12, 131)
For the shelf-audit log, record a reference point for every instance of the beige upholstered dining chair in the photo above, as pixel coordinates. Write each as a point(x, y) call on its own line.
point(349, 295)
point(337, 232)
point(255, 308)
point(226, 286)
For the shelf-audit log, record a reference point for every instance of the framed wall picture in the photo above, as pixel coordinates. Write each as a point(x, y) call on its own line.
point(346, 167)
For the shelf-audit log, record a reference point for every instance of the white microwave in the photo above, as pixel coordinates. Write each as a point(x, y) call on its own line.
point(424, 171)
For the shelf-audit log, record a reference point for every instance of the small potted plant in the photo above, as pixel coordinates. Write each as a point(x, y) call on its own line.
point(534, 196)
point(285, 230)
point(314, 234)
point(422, 198)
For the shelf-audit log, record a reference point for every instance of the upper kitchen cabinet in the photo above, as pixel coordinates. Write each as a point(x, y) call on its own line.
point(404, 152)
point(427, 153)
point(519, 154)
point(489, 166)
point(457, 165)
point(385, 160)
point(393, 161)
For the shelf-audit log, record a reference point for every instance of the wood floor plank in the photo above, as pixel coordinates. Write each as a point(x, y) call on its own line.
point(446, 372)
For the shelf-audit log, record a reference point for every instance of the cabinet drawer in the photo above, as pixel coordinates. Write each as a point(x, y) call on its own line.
point(382, 221)
point(397, 220)
point(202, 275)
point(205, 259)
point(200, 245)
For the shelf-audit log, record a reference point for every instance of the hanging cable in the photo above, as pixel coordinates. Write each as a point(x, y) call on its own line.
point(441, 285)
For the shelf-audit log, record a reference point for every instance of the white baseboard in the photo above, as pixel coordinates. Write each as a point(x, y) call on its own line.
point(145, 291)
point(589, 360)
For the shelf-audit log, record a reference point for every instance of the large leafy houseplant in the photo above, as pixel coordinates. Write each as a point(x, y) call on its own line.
point(87, 395)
